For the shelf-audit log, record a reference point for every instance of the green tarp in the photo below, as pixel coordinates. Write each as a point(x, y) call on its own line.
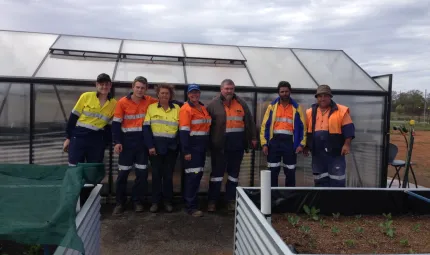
point(38, 203)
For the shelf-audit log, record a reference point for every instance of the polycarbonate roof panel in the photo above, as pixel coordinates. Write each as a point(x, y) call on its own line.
point(21, 53)
point(384, 81)
point(335, 69)
point(66, 42)
point(269, 66)
point(152, 48)
point(163, 73)
point(214, 75)
point(213, 51)
point(74, 68)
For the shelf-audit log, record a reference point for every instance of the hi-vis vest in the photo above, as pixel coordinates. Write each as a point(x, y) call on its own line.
point(234, 117)
point(91, 114)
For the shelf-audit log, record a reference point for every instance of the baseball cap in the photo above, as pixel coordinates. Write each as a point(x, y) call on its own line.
point(103, 78)
point(192, 87)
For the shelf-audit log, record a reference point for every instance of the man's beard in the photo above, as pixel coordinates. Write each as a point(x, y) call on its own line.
point(229, 97)
point(285, 99)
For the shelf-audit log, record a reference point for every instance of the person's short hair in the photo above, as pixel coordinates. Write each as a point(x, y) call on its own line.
point(103, 77)
point(140, 79)
point(170, 87)
point(284, 84)
point(227, 82)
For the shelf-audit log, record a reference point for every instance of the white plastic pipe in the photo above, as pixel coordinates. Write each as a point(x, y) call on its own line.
point(266, 200)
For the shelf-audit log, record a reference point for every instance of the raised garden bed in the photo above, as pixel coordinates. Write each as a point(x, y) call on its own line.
point(334, 221)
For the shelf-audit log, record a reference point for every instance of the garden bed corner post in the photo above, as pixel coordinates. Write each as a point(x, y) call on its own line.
point(266, 200)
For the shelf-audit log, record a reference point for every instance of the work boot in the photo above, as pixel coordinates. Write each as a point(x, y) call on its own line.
point(154, 208)
point(211, 206)
point(231, 205)
point(196, 213)
point(168, 206)
point(138, 207)
point(118, 210)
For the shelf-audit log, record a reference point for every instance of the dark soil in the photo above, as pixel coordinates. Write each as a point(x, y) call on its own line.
point(355, 234)
point(14, 248)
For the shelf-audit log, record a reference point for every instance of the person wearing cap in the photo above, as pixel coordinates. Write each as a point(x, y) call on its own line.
point(88, 129)
point(194, 125)
point(283, 135)
point(232, 132)
point(127, 132)
point(160, 130)
point(330, 132)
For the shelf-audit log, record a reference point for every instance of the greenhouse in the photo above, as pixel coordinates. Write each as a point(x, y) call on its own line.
point(42, 76)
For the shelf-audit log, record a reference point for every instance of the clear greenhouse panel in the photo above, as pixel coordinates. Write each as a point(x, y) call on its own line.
point(80, 43)
point(158, 73)
point(152, 48)
point(384, 81)
point(214, 75)
point(336, 69)
point(21, 53)
point(269, 66)
point(213, 51)
point(74, 68)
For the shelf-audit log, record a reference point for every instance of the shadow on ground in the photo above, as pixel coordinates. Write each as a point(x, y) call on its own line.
point(166, 233)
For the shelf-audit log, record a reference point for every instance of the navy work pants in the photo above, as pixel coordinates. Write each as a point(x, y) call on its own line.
point(328, 170)
point(193, 175)
point(162, 176)
point(222, 161)
point(137, 156)
point(87, 149)
point(281, 153)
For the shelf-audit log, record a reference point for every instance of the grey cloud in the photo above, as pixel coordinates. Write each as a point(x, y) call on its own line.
point(383, 36)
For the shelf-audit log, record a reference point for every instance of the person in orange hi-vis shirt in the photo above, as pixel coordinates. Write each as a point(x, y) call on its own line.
point(329, 136)
point(128, 138)
point(194, 126)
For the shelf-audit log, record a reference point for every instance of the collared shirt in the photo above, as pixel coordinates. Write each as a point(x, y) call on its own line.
point(161, 127)
point(129, 116)
point(284, 120)
point(194, 125)
point(91, 114)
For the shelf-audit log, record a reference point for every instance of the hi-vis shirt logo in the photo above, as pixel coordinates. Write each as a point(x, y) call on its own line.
point(239, 111)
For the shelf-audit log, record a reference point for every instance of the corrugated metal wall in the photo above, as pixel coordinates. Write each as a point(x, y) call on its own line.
point(88, 225)
point(253, 234)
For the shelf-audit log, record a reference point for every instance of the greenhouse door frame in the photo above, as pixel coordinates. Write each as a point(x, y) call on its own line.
point(205, 87)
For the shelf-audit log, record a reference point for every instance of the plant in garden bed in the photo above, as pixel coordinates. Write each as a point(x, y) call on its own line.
point(312, 212)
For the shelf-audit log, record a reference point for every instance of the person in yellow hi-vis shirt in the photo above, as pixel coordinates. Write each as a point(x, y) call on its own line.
point(160, 131)
point(88, 129)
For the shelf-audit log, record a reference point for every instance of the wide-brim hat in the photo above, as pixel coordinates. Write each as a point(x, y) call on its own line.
point(324, 89)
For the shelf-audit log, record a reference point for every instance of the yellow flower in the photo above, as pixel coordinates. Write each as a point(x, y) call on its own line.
point(412, 122)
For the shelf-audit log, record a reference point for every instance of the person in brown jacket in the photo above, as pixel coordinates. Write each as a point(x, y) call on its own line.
point(232, 132)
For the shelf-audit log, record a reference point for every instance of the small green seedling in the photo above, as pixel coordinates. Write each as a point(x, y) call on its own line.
point(404, 242)
point(335, 230)
point(350, 243)
point(312, 212)
point(305, 229)
point(359, 230)
point(373, 242)
point(387, 216)
point(411, 251)
point(358, 216)
point(322, 223)
point(293, 220)
point(388, 228)
point(336, 215)
point(416, 227)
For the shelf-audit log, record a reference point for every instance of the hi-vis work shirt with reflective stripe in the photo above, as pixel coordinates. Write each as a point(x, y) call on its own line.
point(91, 114)
point(129, 116)
point(194, 126)
point(160, 127)
point(235, 117)
point(284, 120)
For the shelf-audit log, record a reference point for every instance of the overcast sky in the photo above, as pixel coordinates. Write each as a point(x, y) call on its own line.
point(383, 36)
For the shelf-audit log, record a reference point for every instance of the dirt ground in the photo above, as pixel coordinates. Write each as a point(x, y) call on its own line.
point(420, 156)
point(166, 233)
point(355, 234)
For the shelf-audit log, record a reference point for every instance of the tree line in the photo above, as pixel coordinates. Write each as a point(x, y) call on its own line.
point(411, 102)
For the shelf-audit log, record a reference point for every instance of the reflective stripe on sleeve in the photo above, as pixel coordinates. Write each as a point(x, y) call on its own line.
point(134, 116)
point(185, 128)
point(96, 115)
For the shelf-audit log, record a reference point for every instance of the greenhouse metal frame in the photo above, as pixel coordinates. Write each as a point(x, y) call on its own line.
point(42, 75)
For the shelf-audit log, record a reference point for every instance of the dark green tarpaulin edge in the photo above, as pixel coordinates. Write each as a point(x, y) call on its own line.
point(38, 203)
